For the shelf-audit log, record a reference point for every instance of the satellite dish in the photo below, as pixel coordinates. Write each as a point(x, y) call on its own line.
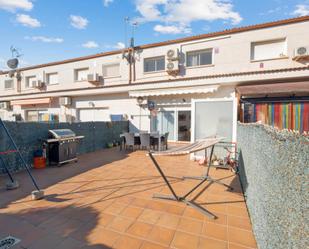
point(13, 63)
point(151, 105)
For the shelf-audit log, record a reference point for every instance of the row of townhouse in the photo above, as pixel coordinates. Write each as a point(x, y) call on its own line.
point(191, 87)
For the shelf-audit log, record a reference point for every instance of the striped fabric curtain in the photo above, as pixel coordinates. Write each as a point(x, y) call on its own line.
point(293, 116)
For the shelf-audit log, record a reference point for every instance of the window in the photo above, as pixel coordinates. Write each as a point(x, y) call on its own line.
point(154, 64)
point(41, 116)
point(199, 58)
point(52, 78)
point(8, 84)
point(111, 70)
point(81, 74)
point(268, 49)
point(30, 81)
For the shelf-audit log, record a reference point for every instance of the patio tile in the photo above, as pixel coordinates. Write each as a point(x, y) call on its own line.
point(168, 220)
point(139, 202)
point(106, 202)
point(190, 225)
point(105, 219)
point(215, 231)
point(236, 211)
point(236, 246)
point(241, 237)
point(119, 224)
point(185, 241)
point(150, 245)
point(161, 235)
point(221, 219)
point(156, 205)
point(140, 229)
point(115, 208)
point(208, 243)
point(132, 212)
point(49, 241)
point(192, 213)
point(70, 243)
point(150, 216)
point(173, 209)
point(239, 222)
point(102, 236)
point(125, 242)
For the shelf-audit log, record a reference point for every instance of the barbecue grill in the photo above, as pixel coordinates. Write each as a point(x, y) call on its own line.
point(62, 146)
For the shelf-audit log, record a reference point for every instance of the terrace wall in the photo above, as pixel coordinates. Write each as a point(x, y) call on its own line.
point(29, 136)
point(274, 172)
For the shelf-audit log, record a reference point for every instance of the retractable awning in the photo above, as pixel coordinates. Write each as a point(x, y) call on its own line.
point(174, 91)
point(295, 88)
point(31, 101)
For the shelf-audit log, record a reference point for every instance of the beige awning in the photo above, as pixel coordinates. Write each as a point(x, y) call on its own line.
point(174, 91)
point(31, 101)
point(294, 88)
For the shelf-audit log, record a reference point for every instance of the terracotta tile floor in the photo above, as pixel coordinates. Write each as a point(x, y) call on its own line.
point(105, 201)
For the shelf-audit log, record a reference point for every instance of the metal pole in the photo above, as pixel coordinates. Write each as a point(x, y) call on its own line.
point(20, 156)
point(210, 158)
point(6, 169)
point(162, 174)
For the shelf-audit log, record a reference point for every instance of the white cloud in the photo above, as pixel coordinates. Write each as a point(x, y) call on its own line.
point(13, 5)
point(171, 29)
point(301, 10)
point(44, 39)
point(119, 45)
point(28, 21)
point(78, 22)
point(181, 13)
point(107, 2)
point(90, 44)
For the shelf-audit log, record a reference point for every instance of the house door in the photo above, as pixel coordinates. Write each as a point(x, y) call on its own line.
point(177, 122)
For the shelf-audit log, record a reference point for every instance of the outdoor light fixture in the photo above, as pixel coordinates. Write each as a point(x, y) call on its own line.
point(140, 100)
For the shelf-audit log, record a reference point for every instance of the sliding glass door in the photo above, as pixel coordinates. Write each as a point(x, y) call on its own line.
point(164, 122)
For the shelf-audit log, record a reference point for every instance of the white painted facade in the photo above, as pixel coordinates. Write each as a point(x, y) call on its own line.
point(233, 63)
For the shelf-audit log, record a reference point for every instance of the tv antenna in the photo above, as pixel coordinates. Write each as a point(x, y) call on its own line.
point(126, 23)
point(13, 62)
point(134, 27)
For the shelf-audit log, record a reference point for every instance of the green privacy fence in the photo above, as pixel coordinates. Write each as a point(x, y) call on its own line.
point(274, 172)
point(28, 137)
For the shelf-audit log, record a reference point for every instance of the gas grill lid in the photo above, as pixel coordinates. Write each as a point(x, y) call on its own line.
point(61, 133)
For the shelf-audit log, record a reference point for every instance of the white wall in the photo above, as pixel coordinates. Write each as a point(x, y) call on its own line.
point(233, 55)
point(113, 104)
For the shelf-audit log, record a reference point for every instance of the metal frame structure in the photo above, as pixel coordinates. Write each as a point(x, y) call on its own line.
point(175, 197)
point(16, 150)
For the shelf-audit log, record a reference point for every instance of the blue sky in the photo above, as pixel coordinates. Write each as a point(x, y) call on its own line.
point(51, 30)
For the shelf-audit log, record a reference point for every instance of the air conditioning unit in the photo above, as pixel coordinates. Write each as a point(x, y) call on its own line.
point(5, 105)
point(66, 101)
point(301, 51)
point(172, 66)
point(40, 84)
point(172, 54)
point(93, 77)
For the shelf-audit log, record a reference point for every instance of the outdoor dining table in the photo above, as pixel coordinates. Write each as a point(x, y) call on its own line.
point(137, 136)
